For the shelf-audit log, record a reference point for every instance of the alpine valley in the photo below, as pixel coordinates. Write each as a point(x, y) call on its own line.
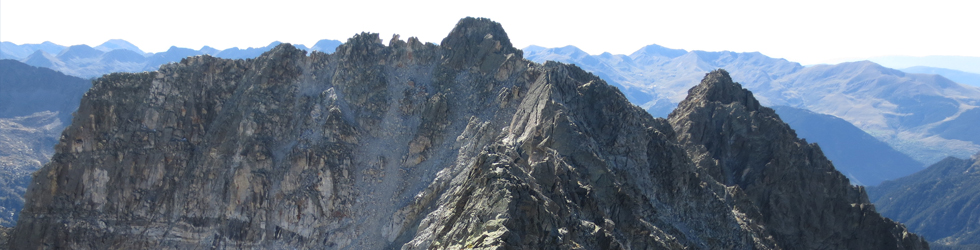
point(411, 145)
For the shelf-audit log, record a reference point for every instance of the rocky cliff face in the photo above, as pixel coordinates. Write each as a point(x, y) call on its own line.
point(35, 106)
point(798, 195)
point(418, 146)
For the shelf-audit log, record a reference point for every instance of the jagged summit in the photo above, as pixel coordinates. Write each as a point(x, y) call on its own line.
point(717, 86)
point(477, 39)
point(791, 183)
point(412, 146)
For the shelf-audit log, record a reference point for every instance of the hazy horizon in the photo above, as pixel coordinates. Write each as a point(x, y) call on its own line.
point(805, 32)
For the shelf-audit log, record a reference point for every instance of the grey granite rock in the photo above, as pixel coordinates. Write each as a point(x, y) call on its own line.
point(801, 199)
point(409, 145)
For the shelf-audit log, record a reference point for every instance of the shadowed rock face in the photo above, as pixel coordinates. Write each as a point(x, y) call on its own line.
point(801, 199)
point(411, 146)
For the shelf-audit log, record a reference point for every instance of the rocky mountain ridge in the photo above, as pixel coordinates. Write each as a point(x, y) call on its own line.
point(422, 146)
point(913, 113)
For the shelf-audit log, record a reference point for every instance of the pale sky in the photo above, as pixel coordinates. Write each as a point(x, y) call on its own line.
point(803, 31)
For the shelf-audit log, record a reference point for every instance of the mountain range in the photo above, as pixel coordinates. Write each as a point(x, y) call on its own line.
point(851, 110)
point(960, 63)
point(942, 202)
point(921, 115)
point(963, 77)
point(414, 145)
point(118, 55)
point(36, 104)
point(648, 64)
point(863, 159)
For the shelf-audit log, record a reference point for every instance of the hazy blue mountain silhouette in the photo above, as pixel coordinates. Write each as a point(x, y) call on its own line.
point(118, 55)
point(115, 44)
point(42, 59)
point(24, 50)
point(326, 45)
point(123, 56)
point(174, 54)
point(79, 52)
point(209, 50)
point(954, 75)
point(236, 53)
point(962, 63)
point(861, 157)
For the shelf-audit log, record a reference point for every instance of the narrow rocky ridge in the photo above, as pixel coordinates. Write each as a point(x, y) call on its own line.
point(410, 145)
point(803, 201)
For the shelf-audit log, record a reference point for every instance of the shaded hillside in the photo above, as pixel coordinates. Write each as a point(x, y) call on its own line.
point(801, 199)
point(900, 109)
point(942, 202)
point(858, 155)
point(415, 146)
point(35, 105)
point(25, 90)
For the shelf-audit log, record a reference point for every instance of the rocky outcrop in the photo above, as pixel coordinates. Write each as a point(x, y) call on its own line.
point(797, 194)
point(410, 145)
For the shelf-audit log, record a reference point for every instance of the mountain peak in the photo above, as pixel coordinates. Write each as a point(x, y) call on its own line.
point(473, 31)
point(654, 49)
point(476, 38)
point(746, 146)
point(79, 51)
point(114, 44)
point(717, 86)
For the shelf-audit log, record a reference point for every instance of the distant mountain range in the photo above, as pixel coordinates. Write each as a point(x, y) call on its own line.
point(862, 158)
point(35, 106)
point(121, 56)
point(921, 115)
point(941, 203)
point(955, 75)
point(115, 44)
point(961, 63)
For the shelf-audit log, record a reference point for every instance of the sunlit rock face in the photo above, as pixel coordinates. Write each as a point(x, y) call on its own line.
point(419, 146)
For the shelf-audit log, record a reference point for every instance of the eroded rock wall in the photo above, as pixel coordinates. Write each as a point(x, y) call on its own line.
point(409, 145)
